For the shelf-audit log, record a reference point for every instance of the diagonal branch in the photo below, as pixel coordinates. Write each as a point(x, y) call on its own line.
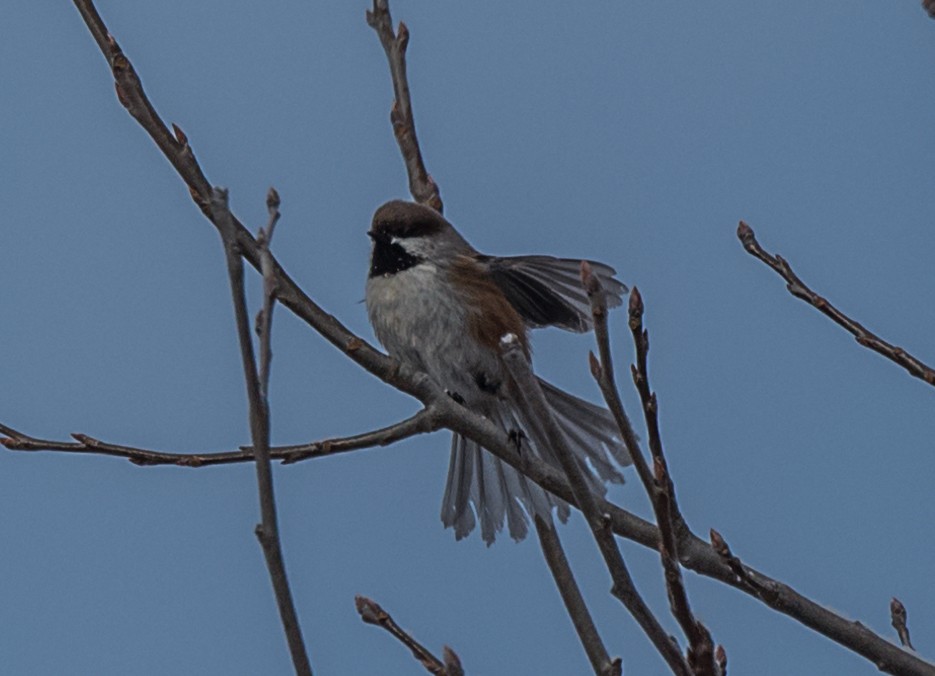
point(623, 587)
point(659, 485)
point(574, 603)
point(671, 525)
point(372, 612)
point(800, 290)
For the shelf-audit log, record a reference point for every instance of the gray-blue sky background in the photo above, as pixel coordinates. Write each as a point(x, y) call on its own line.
point(636, 133)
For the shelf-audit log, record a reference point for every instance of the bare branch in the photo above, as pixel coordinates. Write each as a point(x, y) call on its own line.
point(695, 554)
point(425, 421)
point(422, 422)
point(372, 613)
point(659, 486)
point(264, 321)
point(623, 587)
point(668, 517)
point(574, 602)
point(603, 373)
point(799, 289)
point(421, 185)
point(267, 532)
point(899, 617)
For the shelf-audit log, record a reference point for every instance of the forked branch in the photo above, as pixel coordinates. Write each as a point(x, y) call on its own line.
point(257, 382)
point(658, 486)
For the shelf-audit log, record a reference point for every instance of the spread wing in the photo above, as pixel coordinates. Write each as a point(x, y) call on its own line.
point(547, 291)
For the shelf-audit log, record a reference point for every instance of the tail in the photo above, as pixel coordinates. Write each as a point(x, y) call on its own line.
point(481, 487)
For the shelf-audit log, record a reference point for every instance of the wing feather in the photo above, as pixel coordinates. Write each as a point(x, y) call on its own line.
point(547, 291)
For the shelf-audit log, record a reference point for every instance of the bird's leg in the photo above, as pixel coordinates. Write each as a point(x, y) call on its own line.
point(516, 438)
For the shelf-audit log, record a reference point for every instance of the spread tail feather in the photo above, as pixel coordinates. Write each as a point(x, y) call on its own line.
point(481, 487)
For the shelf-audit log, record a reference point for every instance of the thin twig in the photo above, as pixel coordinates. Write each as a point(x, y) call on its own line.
point(623, 588)
point(267, 532)
point(421, 185)
point(668, 517)
point(899, 619)
point(659, 485)
point(423, 422)
point(603, 373)
point(800, 290)
point(574, 602)
point(640, 371)
point(372, 612)
point(264, 321)
point(696, 554)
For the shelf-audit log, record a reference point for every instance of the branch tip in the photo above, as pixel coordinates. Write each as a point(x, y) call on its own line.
point(272, 199)
point(899, 618)
point(369, 610)
point(592, 286)
point(636, 305)
point(595, 365)
point(452, 661)
point(402, 36)
point(179, 134)
point(719, 544)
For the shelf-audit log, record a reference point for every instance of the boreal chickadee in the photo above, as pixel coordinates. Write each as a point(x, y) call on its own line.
point(441, 307)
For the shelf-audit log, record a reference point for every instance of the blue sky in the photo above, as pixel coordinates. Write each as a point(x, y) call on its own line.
point(634, 133)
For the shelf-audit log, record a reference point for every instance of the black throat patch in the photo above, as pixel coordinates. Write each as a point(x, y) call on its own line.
point(389, 257)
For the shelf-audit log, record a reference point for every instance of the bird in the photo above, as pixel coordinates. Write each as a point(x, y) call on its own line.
point(441, 307)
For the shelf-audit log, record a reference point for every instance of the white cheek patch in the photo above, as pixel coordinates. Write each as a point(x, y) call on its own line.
point(416, 246)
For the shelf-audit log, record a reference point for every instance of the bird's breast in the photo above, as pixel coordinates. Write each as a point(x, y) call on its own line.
point(425, 322)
